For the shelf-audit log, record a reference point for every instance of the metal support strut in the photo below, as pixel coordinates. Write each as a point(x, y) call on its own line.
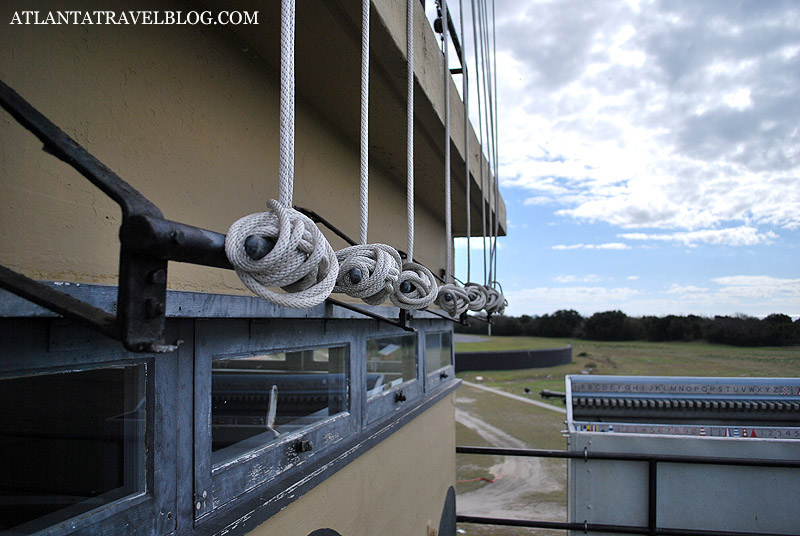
point(147, 242)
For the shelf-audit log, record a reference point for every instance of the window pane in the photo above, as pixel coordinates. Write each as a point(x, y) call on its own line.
point(390, 361)
point(256, 399)
point(69, 442)
point(437, 350)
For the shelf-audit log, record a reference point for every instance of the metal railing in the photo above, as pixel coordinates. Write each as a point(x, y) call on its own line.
point(652, 460)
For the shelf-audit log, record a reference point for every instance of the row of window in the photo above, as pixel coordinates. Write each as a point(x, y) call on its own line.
point(84, 424)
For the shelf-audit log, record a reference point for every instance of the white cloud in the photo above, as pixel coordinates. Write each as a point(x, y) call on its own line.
point(609, 245)
point(686, 290)
point(739, 99)
point(584, 299)
point(735, 236)
point(760, 286)
point(591, 278)
point(758, 295)
point(680, 116)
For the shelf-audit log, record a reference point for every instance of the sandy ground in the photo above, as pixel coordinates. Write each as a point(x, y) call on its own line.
point(515, 479)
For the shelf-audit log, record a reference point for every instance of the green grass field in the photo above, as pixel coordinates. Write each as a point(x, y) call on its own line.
point(489, 419)
point(634, 358)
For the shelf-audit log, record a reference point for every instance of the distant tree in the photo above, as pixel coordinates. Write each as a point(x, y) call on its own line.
point(506, 325)
point(562, 323)
point(739, 330)
point(609, 326)
point(779, 330)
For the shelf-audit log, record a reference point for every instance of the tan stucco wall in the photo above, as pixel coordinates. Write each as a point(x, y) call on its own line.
point(188, 119)
point(398, 488)
point(189, 116)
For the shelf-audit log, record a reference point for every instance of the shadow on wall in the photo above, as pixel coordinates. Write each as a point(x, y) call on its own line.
point(513, 360)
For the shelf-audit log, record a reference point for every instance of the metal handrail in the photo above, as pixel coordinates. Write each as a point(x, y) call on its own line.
point(651, 459)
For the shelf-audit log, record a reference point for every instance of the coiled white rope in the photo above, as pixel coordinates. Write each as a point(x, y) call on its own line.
point(453, 299)
point(496, 302)
point(300, 261)
point(282, 247)
point(476, 295)
point(370, 272)
point(417, 288)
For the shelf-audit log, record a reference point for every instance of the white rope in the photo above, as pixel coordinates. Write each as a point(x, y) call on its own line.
point(476, 294)
point(370, 272)
point(364, 171)
point(465, 91)
point(451, 298)
point(496, 138)
point(410, 125)
point(282, 247)
point(480, 134)
point(301, 261)
point(417, 288)
point(496, 302)
point(447, 201)
point(286, 163)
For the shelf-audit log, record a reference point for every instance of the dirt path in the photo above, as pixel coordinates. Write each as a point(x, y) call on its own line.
point(517, 480)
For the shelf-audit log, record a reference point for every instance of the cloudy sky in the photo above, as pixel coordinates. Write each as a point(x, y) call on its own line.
point(649, 156)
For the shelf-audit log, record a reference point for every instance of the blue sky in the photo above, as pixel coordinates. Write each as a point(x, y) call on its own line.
point(649, 156)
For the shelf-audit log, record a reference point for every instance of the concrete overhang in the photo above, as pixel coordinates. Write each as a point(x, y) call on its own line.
point(328, 63)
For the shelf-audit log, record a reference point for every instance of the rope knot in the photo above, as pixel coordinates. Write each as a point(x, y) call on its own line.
point(370, 272)
point(477, 296)
point(452, 299)
point(496, 302)
point(282, 248)
point(417, 288)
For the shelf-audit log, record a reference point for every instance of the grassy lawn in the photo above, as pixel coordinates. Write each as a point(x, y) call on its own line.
point(540, 428)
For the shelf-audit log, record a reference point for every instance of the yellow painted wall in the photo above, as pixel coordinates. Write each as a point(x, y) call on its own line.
point(397, 488)
point(187, 117)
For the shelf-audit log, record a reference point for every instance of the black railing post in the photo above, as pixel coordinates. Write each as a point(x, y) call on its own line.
point(652, 496)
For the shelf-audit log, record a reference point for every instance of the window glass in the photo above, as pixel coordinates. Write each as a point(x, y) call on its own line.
point(258, 398)
point(70, 442)
point(437, 350)
point(390, 362)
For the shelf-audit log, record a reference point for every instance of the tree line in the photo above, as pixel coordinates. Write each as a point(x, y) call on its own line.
point(737, 330)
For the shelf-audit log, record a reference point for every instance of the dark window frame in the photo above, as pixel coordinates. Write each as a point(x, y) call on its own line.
point(442, 375)
point(53, 346)
point(219, 485)
point(35, 339)
point(400, 395)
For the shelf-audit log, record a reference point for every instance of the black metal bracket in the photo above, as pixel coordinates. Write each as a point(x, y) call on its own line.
point(400, 324)
point(316, 218)
point(139, 323)
point(459, 320)
point(147, 242)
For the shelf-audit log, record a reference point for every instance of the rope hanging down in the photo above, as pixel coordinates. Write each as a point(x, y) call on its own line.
point(451, 298)
point(476, 294)
point(370, 272)
point(496, 302)
point(417, 287)
point(281, 247)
